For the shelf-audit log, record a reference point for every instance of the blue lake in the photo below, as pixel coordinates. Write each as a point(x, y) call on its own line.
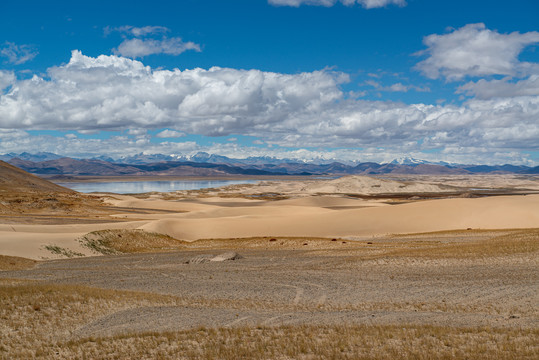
point(134, 187)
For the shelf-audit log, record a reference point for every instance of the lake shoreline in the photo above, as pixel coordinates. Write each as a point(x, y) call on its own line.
point(160, 186)
point(57, 179)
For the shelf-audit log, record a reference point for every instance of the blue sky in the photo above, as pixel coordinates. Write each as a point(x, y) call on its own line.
point(364, 80)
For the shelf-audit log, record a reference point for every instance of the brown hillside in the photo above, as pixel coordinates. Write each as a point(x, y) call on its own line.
point(26, 198)
point(13, 179)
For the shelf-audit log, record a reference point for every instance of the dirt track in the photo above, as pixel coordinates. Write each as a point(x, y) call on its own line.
point(312, 285)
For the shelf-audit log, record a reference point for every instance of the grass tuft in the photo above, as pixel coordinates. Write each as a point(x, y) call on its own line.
point(110, 242)
point(55, 249)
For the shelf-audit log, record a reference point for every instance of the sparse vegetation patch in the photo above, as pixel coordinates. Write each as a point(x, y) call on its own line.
point(55, 249)
point(110, 242)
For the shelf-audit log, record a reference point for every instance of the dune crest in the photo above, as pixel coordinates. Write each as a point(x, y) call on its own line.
point(434, 215)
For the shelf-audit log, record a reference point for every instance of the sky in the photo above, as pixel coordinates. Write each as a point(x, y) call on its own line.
point(347, 80)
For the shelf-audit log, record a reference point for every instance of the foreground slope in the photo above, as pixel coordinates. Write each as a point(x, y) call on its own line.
point(13, 179)
point(452, 295)
point(26, 198)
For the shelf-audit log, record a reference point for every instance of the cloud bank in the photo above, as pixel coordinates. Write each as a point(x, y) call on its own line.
point(496, 121)
point(290, 110)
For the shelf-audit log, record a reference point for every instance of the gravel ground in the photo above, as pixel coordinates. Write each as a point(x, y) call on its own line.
point(318, 286)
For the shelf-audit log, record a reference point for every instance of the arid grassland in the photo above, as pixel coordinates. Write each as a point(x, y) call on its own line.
point(445, 295)
point(352, 268)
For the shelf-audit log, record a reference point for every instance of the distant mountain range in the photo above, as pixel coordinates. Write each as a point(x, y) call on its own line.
point(41, 156)
point(204, 164)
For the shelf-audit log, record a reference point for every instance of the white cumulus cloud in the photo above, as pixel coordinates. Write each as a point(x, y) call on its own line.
point(488, 89)
point(6, 79)
point(167, 133)
point(474, 50)
point(397, 87)
point(136, 132)
point(112, 92)
point(142, 41)
point(138, 48)
point(288, 110)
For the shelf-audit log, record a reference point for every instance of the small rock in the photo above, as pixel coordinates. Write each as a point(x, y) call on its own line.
point(199, 259)
point(231, 255)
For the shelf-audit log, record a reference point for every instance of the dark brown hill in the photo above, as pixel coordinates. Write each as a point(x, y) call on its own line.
point(13, 179)
point(26, 198)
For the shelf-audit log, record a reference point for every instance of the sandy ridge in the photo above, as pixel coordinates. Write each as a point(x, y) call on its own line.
point(317, 208)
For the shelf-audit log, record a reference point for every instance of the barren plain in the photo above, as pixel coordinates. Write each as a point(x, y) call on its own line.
point(357, 267)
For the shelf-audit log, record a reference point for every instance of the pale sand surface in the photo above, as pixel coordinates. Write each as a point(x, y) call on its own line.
point(478, 181)
point(390, 184)
point(326, 202)
point(29, 241)
point(153, 203)
point(434, 215)
point(213, 218)
point(317, 208)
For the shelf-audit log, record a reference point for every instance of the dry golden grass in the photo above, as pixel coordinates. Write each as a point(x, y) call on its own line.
point(271, 242)
point(40, 321)
point(308, 342)
point(504, 243)
point(35, 317)
point(129, 241)
point(51, 204)
point(319, 342)
point(455, 245)
point(459, 245)
point(15, 263)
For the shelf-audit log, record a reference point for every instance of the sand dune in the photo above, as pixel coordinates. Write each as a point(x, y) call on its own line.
point(325, 202)
point(29, 241)
point(353, 184)
point(487, 213)
point(369, 185)
point(293, 217)
point(158, 204)
point(304, 213)
point(71, 228)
